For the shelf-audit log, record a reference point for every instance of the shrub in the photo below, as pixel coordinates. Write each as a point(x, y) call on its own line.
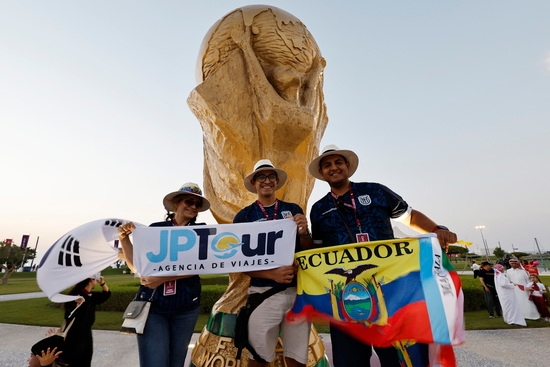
point(474, 299)
point(122, 294)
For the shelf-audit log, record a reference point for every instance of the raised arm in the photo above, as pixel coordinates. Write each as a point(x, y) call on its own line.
point(421, 223)
point(124, 232)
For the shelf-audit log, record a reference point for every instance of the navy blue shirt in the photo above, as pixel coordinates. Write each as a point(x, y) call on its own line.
point(188, 290)
point(375, 204)
point(253, 213)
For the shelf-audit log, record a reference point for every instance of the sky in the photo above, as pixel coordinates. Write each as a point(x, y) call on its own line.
point(447, 103)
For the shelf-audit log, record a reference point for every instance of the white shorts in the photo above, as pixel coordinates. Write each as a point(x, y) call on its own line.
point(269, 319)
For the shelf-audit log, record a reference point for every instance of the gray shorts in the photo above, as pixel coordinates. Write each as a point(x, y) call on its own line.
point(269, 319)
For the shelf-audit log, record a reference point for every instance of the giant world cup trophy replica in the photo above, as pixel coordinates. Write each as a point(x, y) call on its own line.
point(259, 95)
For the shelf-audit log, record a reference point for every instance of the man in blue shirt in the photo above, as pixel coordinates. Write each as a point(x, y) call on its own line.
point(269, 318)
point(360, 212)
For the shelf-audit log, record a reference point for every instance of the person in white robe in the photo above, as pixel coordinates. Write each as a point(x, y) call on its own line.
point(511, 312)
point(519, 277)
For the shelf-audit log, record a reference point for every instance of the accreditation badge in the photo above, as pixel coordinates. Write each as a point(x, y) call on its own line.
point(362, 237)
point(170, 288)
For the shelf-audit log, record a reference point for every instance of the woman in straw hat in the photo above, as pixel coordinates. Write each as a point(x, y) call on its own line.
point(175, 304)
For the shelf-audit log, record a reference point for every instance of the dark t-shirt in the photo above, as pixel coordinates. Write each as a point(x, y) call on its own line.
point(253, 213)
point(488, 277)
point(375, 204)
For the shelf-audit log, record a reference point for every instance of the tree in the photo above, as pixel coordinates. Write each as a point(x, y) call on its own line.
point(472, 255)
point(499, 252)
point(520, 254)
point(461, 251)
point(12, 257)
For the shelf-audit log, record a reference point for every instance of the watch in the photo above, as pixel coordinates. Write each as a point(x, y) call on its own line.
point(440, 227)
point(307, 235)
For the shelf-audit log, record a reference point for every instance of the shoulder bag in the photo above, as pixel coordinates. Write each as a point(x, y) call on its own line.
point(135, 316)
point(54, 341)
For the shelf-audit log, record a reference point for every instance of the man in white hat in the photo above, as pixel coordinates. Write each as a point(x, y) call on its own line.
point(359, 212)
point(269, 319)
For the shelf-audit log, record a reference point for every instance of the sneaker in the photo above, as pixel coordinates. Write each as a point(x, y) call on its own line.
point(491, 317)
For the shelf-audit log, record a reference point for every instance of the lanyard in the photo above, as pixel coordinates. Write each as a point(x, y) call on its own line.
point(265, 212)
point(352, 206)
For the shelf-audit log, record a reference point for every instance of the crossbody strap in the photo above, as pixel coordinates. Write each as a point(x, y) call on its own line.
point(150, 298)
point(65, 329)
point(253, 301)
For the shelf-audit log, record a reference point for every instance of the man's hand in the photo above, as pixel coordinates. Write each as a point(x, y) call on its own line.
point(284, 274)
point(445, 238)
point(301, 223)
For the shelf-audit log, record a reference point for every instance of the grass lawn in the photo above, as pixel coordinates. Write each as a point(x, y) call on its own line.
point(42, 312)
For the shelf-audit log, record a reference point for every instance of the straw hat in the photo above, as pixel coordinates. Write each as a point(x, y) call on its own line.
point(331, 149)
point(188, 188)
point(264, 165)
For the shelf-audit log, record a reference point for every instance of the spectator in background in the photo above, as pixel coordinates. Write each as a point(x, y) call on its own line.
point(511, 312)
point(520, 279)
point(475, 267)
point(531, 266)
point(79, 345)
point(537, 291)
point(487, 280)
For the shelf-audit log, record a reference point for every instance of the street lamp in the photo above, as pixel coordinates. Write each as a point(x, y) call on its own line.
point(481, 228)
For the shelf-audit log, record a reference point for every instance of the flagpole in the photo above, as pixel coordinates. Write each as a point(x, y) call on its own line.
point(35, 246)
point(484, 243)
point(540, 253)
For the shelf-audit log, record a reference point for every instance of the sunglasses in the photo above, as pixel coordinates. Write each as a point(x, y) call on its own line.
point(196, 203)
point(261, 178)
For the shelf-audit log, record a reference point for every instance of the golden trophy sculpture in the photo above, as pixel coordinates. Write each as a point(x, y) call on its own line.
point(259, 95)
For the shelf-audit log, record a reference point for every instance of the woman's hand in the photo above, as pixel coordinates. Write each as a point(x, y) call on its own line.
point(152, 282)
point(125, 230)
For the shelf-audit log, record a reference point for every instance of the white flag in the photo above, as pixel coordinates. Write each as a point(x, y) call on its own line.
point(78, 255)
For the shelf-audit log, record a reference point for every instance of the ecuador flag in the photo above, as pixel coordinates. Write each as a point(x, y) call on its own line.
point(393, 292)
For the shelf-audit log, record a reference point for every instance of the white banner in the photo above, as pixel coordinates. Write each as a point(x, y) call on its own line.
point(214, 249)
point(78, 255)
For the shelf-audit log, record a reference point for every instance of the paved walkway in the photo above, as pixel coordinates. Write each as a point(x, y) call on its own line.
point(11, 297)
point(484, 348)
point(487, 348)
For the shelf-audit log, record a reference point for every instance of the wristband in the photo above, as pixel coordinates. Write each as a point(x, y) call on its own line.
point(101, 285)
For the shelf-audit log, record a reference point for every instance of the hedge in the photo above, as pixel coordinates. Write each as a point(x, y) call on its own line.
point(214, 287)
